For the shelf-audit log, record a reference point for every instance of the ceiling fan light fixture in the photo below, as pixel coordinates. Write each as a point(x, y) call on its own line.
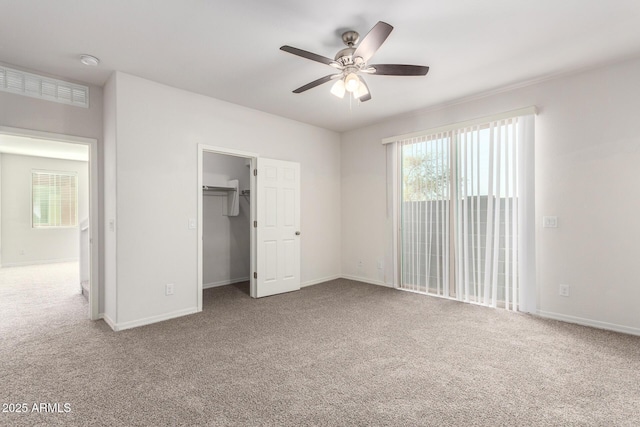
point(351, 82)
point(361, 91)
point(338, 88)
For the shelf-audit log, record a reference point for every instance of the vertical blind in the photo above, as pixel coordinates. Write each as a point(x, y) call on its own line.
point(426, 214)
point(462, 192)
point(54, 199)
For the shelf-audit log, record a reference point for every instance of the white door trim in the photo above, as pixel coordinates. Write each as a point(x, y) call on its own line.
point(94, 236)
point(202, 148)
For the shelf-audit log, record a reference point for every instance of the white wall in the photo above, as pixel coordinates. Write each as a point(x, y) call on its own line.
point(156, 129)
point(226, 242)
point(0, 209)
point(22, 244)
point(587, 156)
point(36, 114)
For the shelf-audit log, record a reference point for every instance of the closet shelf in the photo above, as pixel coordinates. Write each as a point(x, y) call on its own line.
point(217, 188)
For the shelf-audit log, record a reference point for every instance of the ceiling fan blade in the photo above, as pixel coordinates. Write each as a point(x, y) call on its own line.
point(373, 40)
point(366, 96)
point(399, 70)
point(310, 55)
point(316, 83)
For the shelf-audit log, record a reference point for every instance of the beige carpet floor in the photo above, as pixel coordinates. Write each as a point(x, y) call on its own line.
point(334, 354)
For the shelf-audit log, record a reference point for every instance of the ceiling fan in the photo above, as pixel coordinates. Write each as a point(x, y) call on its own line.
point(353, 61)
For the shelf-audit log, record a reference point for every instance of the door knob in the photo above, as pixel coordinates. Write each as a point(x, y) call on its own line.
point(297, 233)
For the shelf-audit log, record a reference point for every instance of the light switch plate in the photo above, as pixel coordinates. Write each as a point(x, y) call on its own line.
point(550, 221)
point(192, 224)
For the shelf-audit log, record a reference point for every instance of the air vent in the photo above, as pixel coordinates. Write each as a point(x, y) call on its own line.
point(36, 86)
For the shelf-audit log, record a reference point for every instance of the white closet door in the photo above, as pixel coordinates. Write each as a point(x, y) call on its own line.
point(278, 230)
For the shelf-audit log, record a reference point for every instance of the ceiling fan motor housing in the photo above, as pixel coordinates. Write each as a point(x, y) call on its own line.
point(345, 56)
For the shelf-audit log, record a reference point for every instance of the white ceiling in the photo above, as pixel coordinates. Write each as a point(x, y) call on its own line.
point(11, 144)
point(230, 49)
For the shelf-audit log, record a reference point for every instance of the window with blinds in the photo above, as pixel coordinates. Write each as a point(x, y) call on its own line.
point(54, 198)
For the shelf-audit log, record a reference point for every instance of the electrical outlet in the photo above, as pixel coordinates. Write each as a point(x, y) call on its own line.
point(21, 251)
point(550, 222)
point(380, 264)
point(360, 267)
point(168, 290)
point(564, 290)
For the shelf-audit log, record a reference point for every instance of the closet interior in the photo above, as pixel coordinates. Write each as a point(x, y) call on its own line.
point(226, 221)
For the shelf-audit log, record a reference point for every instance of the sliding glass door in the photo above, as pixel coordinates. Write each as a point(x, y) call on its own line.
point(460, 221)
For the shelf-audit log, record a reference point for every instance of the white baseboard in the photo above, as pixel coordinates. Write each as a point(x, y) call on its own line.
point(149, 320)
point(224, 282)
point(109, 321)
point(317, 281)
point(27, 263)
point(589, 322)
point(366, 280)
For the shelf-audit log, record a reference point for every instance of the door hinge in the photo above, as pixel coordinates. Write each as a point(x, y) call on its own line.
point(255, 275)
point(255, 172)
point(255, 224)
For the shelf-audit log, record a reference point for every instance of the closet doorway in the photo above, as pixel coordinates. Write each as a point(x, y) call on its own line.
point(226, 215)
point(234, 186)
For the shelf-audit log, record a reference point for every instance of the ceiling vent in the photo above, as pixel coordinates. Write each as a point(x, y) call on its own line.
point(36, 86)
